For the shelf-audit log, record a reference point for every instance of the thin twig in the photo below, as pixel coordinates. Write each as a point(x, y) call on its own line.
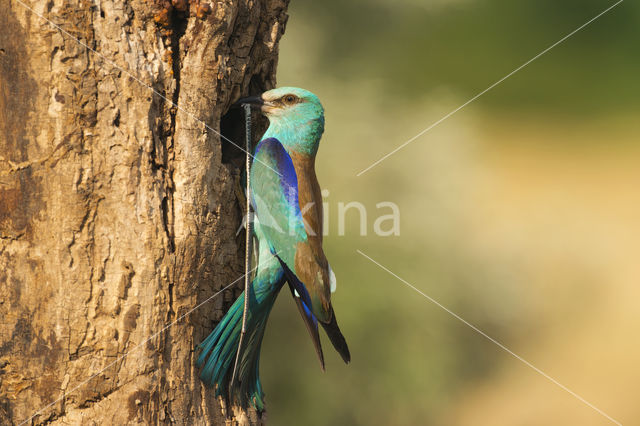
point(248, 241)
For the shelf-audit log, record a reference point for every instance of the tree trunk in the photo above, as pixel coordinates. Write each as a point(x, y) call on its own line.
point(118, 212)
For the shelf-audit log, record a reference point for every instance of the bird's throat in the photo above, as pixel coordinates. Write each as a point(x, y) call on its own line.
point(295, 136)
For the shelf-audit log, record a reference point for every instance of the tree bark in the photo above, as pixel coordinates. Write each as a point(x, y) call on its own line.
point(118, 212)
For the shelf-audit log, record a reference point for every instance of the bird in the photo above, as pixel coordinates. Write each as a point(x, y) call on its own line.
point(286, 198)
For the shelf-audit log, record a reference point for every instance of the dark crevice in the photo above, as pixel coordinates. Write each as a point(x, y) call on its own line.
point(158, 158)
point(171, 312)
point(232, 128)
point(166, 223)
point(179, 23)
point(178, 20)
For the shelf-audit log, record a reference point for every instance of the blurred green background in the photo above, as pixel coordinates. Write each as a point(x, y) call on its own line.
point(520, 213)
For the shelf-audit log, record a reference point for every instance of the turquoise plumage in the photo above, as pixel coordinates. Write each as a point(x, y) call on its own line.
point(288, 229)
point(221, 345)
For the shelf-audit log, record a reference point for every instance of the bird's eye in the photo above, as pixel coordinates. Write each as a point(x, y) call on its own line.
point(289, 99)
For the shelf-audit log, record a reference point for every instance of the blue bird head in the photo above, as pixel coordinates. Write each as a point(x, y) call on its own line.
point(296, 118)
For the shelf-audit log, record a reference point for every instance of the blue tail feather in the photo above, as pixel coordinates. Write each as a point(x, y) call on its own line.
point(219, 348)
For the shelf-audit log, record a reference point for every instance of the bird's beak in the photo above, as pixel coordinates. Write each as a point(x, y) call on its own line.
point(250, 100)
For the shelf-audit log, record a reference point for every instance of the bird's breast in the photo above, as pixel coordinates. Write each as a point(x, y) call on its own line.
point(309, 196)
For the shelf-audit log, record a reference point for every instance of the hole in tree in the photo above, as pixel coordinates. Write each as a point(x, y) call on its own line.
point(232, 128)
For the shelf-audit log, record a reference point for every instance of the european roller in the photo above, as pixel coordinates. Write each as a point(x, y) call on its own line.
point(288, 228)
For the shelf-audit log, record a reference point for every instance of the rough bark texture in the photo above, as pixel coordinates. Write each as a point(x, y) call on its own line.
point(118, 212)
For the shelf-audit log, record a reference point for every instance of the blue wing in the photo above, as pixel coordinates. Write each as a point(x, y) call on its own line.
point(274, 186)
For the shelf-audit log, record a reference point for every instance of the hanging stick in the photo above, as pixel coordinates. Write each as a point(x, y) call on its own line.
point(248, 241)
